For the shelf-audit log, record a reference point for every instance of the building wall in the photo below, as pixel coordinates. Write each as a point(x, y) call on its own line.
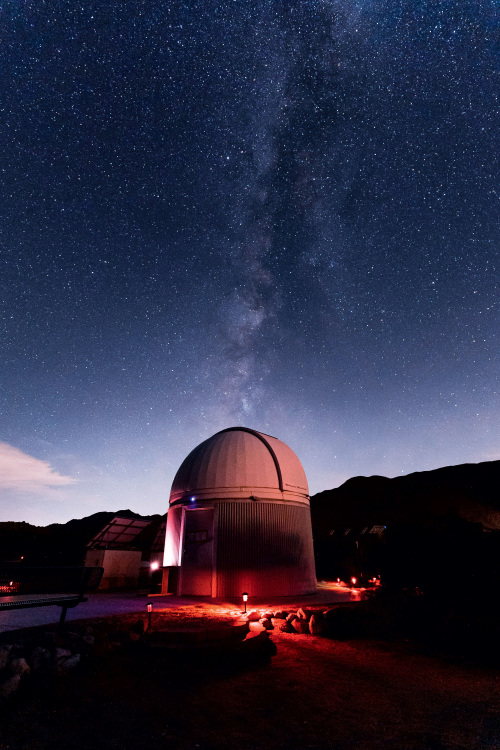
point(261, 547)
point(265, 549)
point(173, 531)
point(121, 567)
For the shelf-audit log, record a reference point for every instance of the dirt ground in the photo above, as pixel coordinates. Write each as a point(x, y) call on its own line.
point(313, 693)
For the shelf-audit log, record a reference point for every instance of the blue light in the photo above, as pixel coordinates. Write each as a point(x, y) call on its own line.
point(192, 499)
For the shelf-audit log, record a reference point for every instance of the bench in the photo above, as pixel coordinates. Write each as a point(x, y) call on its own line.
point(24, 587)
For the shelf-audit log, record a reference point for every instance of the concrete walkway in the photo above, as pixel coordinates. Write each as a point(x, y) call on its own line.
point(104, 604)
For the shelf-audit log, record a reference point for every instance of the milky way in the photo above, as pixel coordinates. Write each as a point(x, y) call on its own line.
point(282, 215)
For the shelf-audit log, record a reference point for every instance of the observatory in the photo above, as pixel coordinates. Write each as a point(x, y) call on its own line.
point(239, 520)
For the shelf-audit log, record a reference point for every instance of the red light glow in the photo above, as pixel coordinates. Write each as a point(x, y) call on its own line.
point(11, 587)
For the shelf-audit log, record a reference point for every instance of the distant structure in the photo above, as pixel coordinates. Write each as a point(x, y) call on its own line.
point(129, 550)
point(239, 520)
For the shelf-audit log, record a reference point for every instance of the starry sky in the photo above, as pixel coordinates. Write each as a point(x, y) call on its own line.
point(279, 214)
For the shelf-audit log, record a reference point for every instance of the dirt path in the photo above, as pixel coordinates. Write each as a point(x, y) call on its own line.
point(314, 693)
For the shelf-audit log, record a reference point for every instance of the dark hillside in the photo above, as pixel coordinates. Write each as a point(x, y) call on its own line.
point(57, 544)
point(434, 522)
point(467, 491)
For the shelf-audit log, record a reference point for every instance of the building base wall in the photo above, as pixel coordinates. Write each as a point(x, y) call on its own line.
point(121, 567)
point(264, 549)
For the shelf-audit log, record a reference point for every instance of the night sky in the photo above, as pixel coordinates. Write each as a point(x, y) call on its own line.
point(279, 214)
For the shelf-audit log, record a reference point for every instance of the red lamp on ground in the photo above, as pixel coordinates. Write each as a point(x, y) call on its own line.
point(245, 599)
point(150, 609)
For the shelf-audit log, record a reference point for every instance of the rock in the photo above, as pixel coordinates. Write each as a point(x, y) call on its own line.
point(341, 622)
point(10, 685)
point(4, 656)
point(134, 637)
point(302, 614)
point(61, 655)
point(277, 622)
point(240, 628)
point(290, 617)
point(252, 616)
point(255, 645)
point(88, 640)
point(287, 627)
point(267, 615)
point(22, 644)
point(329, 614)
point(266, 623)
point(281, 614)
point(310, 612)
point(19, 666)
point(66, 665)
point(300, 625)
point(40, 658)
point(316, 625)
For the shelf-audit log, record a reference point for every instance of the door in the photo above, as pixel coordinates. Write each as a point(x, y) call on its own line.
point(197, 553)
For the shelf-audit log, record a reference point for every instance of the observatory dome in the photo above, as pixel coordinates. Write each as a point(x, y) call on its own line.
point(240, 463)
point(239, 520)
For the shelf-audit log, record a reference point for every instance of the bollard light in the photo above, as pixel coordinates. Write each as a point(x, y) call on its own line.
point(150, 609)
point(354, 581)
point(245, 599)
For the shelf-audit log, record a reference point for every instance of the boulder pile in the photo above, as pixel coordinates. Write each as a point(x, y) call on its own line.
point(53, 654)
point(36, 657)
point(49, 654)
point(333, 622)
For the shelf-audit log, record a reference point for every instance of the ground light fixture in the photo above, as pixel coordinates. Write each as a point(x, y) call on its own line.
point(245, 599)
point(150, 609)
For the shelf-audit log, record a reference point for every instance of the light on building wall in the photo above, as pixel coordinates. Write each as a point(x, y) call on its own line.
point(245, 599)
point(354, 581)
point(154, 565)
point(192, 499)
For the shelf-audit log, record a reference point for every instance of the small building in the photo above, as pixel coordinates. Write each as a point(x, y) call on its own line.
point(239, 520)
point(129, 550)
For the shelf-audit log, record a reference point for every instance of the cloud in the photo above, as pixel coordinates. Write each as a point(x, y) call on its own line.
point(24, 473)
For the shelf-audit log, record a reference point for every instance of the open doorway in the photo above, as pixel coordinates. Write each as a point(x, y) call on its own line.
point(197, 552)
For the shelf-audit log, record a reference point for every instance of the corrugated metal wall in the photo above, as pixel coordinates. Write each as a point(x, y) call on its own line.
point(264, 549)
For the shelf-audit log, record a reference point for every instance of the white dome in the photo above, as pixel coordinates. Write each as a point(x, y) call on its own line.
point(241, 463)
